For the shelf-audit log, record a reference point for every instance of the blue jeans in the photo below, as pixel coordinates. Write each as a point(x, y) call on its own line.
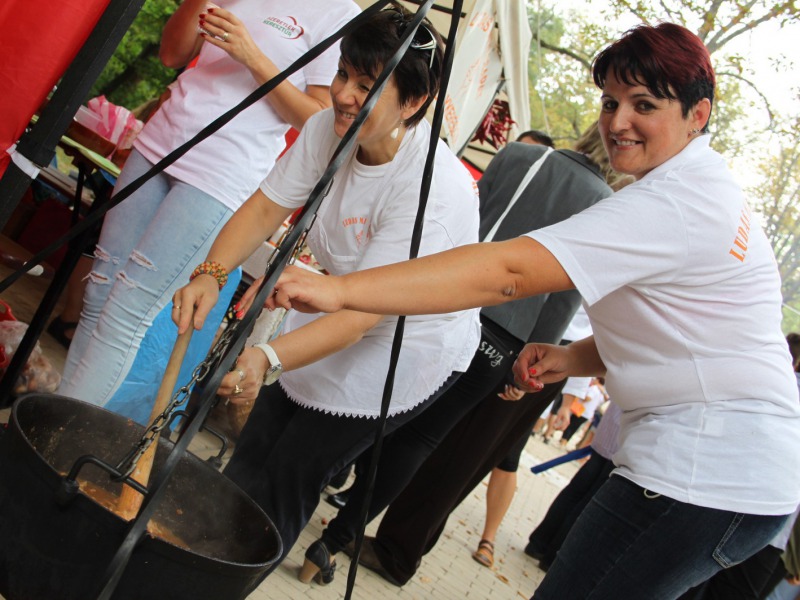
point(149, 245)
point(136, 395)
point(630, 543)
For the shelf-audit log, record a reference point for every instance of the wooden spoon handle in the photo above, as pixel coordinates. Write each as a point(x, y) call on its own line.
point(130, 500)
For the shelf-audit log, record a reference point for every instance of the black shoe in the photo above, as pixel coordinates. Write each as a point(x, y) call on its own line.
point(534, 552)
point(338, 499)
point(319, 564)
point(545, 563)
point(369, 559)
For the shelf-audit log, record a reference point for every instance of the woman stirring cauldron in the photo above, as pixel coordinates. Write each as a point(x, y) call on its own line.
point(683, 294)
point(322, 414)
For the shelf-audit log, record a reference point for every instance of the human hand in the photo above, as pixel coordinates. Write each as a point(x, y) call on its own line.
point(243, 383)
point(246, 301)
point(226, 31)
point(511, 393)
point(197, 298)
point(562, 418)
point(307, 291)
point(539, 364)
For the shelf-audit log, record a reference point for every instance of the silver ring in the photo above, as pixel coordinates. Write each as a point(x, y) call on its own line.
point(237, 390)
point(241, 375)
point(225, 36)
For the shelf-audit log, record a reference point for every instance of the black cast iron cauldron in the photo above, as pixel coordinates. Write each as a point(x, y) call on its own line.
point(49, 551)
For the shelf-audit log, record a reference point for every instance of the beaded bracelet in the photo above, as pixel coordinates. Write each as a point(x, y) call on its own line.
point(215, 269)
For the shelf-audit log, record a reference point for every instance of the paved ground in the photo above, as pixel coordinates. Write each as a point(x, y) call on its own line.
point(448, 572)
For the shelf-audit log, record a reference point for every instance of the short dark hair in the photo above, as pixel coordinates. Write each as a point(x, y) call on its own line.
point(372, 44)
point(668, 59)
point(538, 136)
point(793, 339)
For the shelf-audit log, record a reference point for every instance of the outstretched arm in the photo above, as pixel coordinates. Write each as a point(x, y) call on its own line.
point(465, 277)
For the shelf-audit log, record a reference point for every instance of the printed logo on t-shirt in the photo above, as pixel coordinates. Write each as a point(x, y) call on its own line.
point(739, 249)
point(360, 228)
point(286, 26)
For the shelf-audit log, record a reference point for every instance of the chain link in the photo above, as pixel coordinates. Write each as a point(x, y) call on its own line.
point(201, 371)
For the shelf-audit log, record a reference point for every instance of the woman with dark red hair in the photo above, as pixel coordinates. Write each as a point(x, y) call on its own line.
point(683, 293)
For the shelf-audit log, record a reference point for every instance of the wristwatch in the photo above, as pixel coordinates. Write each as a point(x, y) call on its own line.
point(275, 367)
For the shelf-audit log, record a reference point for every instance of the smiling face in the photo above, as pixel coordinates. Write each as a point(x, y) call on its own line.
point(641, 131)
point(349, 92)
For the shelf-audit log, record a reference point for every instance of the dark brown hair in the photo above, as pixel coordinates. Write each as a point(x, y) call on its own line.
point(668, 59)
point(417, 76)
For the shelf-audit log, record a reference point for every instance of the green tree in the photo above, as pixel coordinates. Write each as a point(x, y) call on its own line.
point(779, 192)
point(135, 74)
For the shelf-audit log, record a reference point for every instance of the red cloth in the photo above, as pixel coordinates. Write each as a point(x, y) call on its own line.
point(40, 39)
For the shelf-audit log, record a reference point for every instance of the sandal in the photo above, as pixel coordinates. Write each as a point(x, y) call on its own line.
point(485, 553)
point(58, 329)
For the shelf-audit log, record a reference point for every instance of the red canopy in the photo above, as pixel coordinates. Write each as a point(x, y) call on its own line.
point(38, 48)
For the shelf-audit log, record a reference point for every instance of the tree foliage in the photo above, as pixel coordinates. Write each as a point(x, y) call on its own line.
point(135, 74)
point(779, 192)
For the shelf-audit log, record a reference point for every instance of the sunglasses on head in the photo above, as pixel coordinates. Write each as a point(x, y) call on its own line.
point(423, 39)
point(417, 44)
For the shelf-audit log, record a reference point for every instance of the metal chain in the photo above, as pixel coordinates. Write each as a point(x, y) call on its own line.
point(128, 464)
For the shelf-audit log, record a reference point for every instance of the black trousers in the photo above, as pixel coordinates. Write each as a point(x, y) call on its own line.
point(410, 445)
point(481, 439)
point(575, 423)
point(551, 532)
point(286, 454)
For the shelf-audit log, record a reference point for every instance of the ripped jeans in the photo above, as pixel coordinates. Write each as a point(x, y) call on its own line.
point(632, 544)
point(148, 247)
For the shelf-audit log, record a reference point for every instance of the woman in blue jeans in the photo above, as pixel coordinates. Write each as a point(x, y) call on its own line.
point(683, 294)
point(150, 243)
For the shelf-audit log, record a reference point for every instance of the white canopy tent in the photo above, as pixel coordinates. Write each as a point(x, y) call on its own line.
point(491, 61)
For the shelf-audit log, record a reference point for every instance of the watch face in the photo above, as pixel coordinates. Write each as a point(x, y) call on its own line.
point(272, 374)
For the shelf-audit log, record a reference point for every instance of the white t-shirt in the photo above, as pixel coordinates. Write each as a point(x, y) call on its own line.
point(230, 164)
point(579, 327)
point(577, 386)
point(606, 438)
point(683, 294)
point(366, 221)
point(592, 401)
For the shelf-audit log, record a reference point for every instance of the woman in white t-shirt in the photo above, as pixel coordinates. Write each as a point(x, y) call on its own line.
point(683, 294)
point(323, 413)
point(150, 242)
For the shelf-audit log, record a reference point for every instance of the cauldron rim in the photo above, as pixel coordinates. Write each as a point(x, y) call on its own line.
point(157, 545)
